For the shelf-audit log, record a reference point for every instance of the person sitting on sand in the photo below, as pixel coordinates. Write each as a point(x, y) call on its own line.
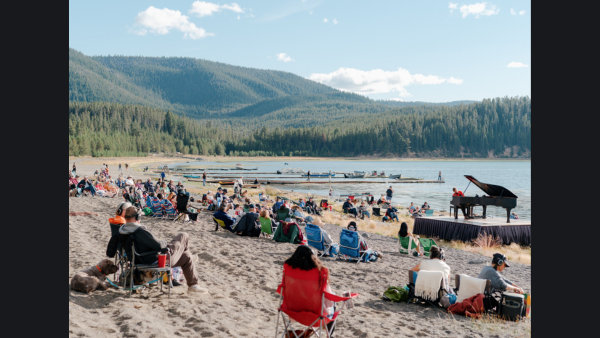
point(391, 213)
point(363, 210)
point(86, 185)
point(403, 232)
point(425, 206)
point(437, 262)
point(305, 259)
point(278, 204)
point(349, 208)
point(178, 248)
point(73, 184)
point(370, 255)
point(248, 224)
point(297, 214)
point(222, 215)
point(457, 192)
point(499, 283)
point(311, 207)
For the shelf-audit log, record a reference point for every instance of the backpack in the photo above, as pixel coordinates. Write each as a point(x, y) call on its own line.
point(147, 211)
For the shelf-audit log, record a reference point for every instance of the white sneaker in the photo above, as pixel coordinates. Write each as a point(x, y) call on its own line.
point(197, 289)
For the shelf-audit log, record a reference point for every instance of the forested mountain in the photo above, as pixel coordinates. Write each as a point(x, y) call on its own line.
point(134, 105)
point(492, 128)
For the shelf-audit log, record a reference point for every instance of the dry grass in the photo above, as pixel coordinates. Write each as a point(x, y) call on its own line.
point(485, 245)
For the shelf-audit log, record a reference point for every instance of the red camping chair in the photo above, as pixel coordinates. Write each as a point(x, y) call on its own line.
point(303, 301)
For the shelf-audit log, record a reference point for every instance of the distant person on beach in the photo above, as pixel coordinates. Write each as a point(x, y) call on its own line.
point(388, 194)
point(74, 171)
point(178, 248)
point(425, 206)
point(308, 175)
point(499, 283)
point(119, 166)
point(126, 166)
point(162, 175)
point(457, 192)
point(370, 255)
point(513, 215)
point(86, 185)
point(349, 208)
point(440, 176)
point(403, 232)
point(363, 210)
point(204, 179)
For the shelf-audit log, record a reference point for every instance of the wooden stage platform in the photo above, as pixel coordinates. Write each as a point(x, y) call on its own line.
point(448, 228)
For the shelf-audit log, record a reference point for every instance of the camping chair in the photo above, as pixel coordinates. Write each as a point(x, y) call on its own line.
point(128, 267)
point(417, 294)
point(292, 233)
point(218, 222)
point(427, 243)
point(266, 227)
point(314, 237)
point(405, 242)
point(429, 212)
point(473, 286)
point(303, 302)
point(282, 214)
point(324, 204)
point(350, 246)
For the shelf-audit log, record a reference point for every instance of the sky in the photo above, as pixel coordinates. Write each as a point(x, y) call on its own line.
point(418, 50)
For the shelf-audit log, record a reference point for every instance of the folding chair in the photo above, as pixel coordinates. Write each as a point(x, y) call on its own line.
point(314, 237)
point(427, 243)
point(127, 258)
point(473, 286)
point(404, 244)
point(218, 222)
point(292, 233)
point(429, 212)
point(302, 303)
point(266, 227)
point(417, 295)
point(350, 246)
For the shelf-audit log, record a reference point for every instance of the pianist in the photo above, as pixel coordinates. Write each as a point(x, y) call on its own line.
point(457, 192)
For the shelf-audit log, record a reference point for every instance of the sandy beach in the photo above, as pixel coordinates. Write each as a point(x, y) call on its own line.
point(242, 275)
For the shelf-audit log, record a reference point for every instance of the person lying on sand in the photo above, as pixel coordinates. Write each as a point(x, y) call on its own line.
point(178, 248)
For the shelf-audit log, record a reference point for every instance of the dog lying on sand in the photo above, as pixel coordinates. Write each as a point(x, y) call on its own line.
point(94, 277)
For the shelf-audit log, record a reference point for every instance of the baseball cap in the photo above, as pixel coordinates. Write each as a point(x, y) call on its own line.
point(500, 257)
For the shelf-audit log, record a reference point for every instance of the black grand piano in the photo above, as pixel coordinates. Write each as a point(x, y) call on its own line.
point(497, 196)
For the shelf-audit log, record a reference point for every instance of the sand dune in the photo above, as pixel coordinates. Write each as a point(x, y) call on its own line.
point(242, 274)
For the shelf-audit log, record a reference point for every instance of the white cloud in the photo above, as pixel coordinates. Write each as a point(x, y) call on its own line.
point(452, 6)
point(325, 20)
point(522, 12)
point(203, 8)
point(513, 12)
point(334, 21)
point(516, 64)
point(378, 81)
point(162, 21)
point(479, 9)
point(284, 57)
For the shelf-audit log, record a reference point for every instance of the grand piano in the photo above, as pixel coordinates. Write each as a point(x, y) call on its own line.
point(497, 196)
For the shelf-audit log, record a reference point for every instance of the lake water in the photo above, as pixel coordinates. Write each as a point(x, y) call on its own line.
point(512, 175)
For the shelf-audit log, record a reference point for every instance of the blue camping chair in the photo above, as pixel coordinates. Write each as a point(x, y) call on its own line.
point(314, 237)
point(350, 246)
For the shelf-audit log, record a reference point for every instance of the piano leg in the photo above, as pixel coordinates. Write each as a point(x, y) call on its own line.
point(456, 212)
point(484, 207)
point(508, 215)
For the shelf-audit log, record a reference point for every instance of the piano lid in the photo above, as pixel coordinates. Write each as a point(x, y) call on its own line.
point(490, 189)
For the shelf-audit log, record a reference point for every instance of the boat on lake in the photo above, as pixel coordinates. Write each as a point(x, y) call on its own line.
point(290, 171)
point(396, 176)
point(355, 174)
point(319, 175)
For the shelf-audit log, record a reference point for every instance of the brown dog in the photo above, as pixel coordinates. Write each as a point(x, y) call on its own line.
point(93, 278)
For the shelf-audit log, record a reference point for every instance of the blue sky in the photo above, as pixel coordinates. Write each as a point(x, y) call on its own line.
point(428, 50)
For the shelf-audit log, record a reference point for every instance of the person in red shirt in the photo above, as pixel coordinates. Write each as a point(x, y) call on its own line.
point(457, 192)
